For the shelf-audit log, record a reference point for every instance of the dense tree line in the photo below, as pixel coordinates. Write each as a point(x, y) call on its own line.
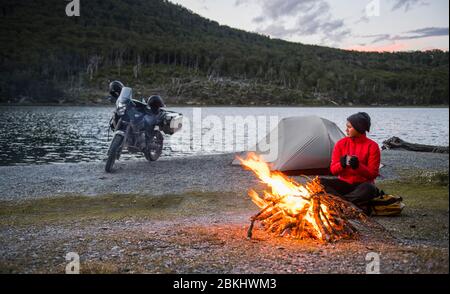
point(48, 56)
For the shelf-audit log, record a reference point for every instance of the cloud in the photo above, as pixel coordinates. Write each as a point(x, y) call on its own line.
point(240, 2)
point(259, 19)
point(296, 18)
point(409, 35)
point(276, 9)
point(277, 30)
point(378, 38)
point(407, 4)
point(425, 33)
point(287, 18)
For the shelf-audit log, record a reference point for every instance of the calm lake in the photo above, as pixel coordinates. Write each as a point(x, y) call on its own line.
point(42, 135)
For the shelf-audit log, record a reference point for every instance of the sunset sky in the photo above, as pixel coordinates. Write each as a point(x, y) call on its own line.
point(366, 25)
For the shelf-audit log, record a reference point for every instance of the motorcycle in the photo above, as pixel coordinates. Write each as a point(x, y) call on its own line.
point(139, 129)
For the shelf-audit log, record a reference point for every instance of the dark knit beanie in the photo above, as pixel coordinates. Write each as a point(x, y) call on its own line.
point(360, 122)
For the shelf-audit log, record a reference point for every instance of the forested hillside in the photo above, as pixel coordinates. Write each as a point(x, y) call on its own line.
point(158, 47)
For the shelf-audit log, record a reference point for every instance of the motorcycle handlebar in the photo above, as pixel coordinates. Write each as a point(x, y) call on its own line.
point(110, 99)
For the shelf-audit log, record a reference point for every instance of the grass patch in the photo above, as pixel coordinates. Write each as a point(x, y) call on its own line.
point(425, 217)
point(419, 195)
point(424, 177)
point(116, 206)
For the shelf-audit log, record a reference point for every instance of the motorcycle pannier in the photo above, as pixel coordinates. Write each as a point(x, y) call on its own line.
point(172, 123)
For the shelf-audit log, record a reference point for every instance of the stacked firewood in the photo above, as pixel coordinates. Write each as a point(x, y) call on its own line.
point(323, 217)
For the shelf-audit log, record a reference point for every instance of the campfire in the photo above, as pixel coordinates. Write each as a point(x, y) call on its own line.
point(300, 211)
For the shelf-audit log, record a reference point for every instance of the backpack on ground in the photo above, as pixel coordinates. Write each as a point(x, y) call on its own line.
point(387, 205)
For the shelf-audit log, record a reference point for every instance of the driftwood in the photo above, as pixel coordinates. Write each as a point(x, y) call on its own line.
point(397, 143)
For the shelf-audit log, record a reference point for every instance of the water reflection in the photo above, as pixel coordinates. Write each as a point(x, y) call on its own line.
point(39, 135)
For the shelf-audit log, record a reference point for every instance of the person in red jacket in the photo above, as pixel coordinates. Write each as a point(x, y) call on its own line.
point(355, 161)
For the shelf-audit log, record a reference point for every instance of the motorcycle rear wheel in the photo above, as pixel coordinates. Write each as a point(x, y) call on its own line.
point(153, 153)
point(113, 151)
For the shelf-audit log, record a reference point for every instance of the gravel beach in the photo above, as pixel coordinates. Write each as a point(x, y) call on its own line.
point(191, 215)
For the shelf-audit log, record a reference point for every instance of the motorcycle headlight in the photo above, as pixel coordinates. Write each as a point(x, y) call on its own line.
point(121, 107)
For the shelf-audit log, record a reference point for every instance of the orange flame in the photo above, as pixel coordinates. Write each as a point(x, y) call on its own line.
point(292, 197)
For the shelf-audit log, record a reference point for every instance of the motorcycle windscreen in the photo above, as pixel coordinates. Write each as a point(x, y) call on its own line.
point(125, 96)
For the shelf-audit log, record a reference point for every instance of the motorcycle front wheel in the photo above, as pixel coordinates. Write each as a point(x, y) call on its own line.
point(113, 151)
point(154, 151)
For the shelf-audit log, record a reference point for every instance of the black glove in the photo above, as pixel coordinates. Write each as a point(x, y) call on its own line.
point(344, 161)
point(354, 162)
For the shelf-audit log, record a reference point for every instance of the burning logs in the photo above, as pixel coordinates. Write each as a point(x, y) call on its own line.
point(300, 211)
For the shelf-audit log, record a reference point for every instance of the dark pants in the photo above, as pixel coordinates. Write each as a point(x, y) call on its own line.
point(358, 194)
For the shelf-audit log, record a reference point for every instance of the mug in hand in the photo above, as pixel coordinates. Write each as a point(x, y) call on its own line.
point(348, 159)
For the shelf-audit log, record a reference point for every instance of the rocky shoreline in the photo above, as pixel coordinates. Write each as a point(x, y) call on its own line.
point(210, 173)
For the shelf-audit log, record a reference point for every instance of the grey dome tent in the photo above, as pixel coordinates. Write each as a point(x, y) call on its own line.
point(299, 145)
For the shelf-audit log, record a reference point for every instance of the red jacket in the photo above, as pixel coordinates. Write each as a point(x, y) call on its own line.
point(368, 153)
